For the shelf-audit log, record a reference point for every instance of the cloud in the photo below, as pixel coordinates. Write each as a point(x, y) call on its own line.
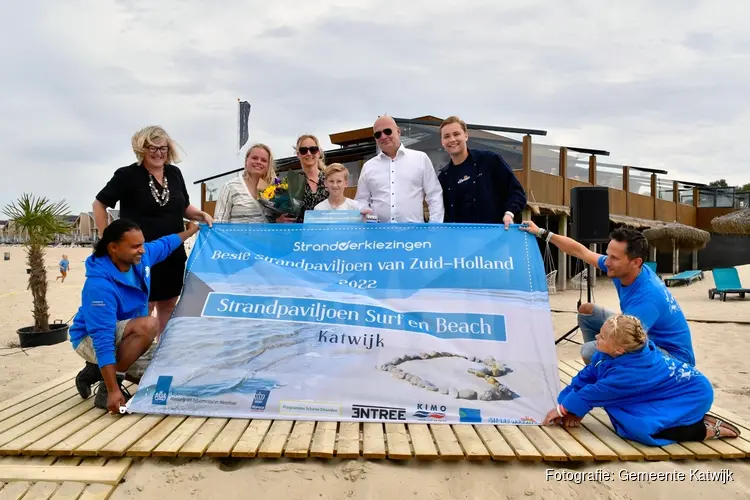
point(658, 84)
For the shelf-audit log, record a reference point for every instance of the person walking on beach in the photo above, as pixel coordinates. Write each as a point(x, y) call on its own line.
point(64, 267)
point(112, 330)
point(397, 182)
point(152, 193)
point(478, 185)
point(640, 291)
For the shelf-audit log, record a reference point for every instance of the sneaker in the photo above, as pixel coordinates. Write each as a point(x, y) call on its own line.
point(86, 378)
point(102, 394)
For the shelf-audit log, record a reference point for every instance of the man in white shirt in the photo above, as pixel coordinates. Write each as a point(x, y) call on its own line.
point(397, 181)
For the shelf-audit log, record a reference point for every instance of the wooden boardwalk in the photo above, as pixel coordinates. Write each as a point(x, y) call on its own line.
point(53, 421)
point(60, 478)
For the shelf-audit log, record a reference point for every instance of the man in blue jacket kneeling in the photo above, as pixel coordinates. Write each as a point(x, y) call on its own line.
point(112, 330)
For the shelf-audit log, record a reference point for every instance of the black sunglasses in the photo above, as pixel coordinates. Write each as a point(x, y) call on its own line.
point(385, 131)
point(313, 150)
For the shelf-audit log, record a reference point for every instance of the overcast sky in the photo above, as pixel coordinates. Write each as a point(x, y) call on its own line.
point(659, 84)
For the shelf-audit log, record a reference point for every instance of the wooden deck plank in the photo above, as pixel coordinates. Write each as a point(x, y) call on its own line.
point(177, 439)
point(496, 444)
point(624, 450)
point(103, 491)
point(24, 439)
point(43, 445)
point(568, 444)
point(93, 446)
point(41, 407)
point(593, 444)
point(472, 445)
point(249, 443)
point(701, 451)
point(422, 441)
point(81, 473)
point(69, 491)
point(542, 442)
point(522, 447)
point(48, 460)
point(324, 440)
point(69, 461)
point(227, 438)
point(41, 490)
point(66, 381)
point(300, 439)
point(70, 443)
point(446, 441)
point(724, 448)
point(202, 439)
point(148, 443)
point(397, 440)
point(348, 443)
point(120, 445)
point(373, 440)
point(72, 491)
point(275, 440)
point(97, 492)
point(15, 490)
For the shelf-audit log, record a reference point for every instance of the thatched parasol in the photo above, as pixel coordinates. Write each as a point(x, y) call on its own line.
point(675, 237)
point(737, 222)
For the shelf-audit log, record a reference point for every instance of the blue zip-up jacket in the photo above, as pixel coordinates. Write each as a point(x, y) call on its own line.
point(481, 189)
point(107, 298)
point(643, 392)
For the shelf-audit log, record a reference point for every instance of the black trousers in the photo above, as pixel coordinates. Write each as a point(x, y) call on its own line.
point(692, 432)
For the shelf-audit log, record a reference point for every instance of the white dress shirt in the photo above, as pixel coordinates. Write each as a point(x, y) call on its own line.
point(396, 188)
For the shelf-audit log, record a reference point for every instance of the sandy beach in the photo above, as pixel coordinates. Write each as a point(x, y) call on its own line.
point(721, 338)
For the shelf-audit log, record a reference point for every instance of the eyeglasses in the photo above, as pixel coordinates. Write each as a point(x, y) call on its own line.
point(385, 131)
point(312, 149)
point(154, 149)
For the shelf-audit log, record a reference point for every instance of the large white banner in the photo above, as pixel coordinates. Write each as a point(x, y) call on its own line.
point(359, 322)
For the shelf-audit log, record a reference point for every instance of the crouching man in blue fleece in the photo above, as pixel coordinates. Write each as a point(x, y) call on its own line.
point(112, 330)
point(649, 396)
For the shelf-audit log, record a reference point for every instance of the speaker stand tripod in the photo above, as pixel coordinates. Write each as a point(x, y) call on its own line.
point(588, 295)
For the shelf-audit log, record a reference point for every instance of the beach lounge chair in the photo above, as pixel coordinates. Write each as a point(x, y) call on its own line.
point(685, 277)
point(727, 280)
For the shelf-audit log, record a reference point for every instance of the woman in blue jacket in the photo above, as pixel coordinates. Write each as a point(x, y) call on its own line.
point(649, 396)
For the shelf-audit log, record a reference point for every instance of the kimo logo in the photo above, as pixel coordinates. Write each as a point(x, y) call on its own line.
point(161, 393)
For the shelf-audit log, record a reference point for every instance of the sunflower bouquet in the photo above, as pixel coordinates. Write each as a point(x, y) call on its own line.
point(278, 200)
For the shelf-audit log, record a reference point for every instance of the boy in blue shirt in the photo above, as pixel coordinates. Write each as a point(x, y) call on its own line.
point(112, 330)
point(640, 291)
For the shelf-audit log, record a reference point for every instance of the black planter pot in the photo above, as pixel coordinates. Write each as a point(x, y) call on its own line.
point(58, 332)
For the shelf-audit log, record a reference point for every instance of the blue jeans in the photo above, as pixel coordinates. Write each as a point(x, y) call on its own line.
point(590, 325)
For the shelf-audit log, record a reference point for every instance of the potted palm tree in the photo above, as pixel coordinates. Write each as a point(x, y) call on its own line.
point(40, 221)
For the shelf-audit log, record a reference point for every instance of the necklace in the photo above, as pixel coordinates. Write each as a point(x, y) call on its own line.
point(163, 198)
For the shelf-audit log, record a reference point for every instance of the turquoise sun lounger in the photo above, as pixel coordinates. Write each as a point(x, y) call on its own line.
point(727, 281)
point(685, 277)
